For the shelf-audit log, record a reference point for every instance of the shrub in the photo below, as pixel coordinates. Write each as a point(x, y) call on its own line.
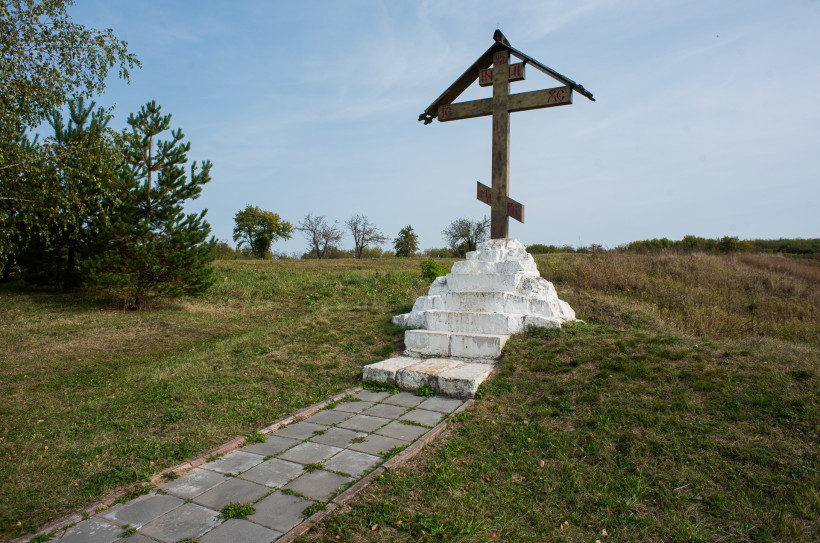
point(430, 269)
point(541, 249)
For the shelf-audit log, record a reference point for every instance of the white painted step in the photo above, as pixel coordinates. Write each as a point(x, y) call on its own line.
point(455, 378)
point(473, 322)
point(489, 302)
point(490, 282)
point(460, 345)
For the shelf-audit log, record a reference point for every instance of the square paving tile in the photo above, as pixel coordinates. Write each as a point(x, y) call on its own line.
point(136, 539)
point(328, 417)
point(280, 511)
point(352, 462)
point(240, 530)
point(423, 416)
point(187, 520)
point(309, 453)
point(232, 491)
point(356, 406)
point(234, 462)
point(319, 484)
point(142, 510)
point(272, 445)
point(92, 530)
point(404, 398)
point(406, 432)
point(363, 423)
point(385, 410)
point(193, 483)
point(338, 437)
point(273, 473)
point(441, 404)
point(376, 444)
point(299, 430)
point(370, 396)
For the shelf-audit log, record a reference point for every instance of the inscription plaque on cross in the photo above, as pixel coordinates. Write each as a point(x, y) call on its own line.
point(500, 106)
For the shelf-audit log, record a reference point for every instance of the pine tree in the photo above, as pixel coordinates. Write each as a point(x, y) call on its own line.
point(81, 178)
point(154, 247)
point(407, 243)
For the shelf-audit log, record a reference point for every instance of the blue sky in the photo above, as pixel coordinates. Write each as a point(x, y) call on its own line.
point(705, 122)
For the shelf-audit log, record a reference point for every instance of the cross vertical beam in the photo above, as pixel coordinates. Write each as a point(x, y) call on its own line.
point(499, 223)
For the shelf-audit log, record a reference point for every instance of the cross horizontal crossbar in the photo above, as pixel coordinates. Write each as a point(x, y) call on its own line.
point(558, 96)
point(515, 72)
point(485, 61)
point(513, 208)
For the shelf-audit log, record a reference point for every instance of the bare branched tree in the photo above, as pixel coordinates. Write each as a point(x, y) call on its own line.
point(464, 235)
point(364, 233)
point(320, 234)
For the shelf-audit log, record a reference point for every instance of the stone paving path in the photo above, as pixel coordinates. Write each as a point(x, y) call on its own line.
point(297, 470)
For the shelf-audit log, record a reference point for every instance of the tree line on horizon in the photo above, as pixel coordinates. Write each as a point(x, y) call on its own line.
point(256, 230)
point(462, 235)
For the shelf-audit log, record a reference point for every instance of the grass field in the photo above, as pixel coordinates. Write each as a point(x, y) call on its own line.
point(684, 409)
point(94, 397)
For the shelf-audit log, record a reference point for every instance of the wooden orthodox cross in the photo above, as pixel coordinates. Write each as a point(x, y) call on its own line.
point(500, 106)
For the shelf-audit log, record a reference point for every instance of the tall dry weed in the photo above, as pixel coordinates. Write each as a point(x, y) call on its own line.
point(703, 294)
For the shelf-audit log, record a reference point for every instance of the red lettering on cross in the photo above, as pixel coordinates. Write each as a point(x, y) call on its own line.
point(556, 95)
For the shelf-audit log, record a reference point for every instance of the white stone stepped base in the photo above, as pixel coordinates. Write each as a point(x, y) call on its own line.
point(454, 344)
point(455, 378)
point(468, 315)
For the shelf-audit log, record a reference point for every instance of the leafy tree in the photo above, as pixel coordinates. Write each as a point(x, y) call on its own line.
point(464, 235)
point(81, 172)
point(23, 211)
point(729, 244)
point(320, 235)
point(44, 59)
point(258, 229)
point(155, 247)
point(364, 233)
point(224, 251)
point(407, 243)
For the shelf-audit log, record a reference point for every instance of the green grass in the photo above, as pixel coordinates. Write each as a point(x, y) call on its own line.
point(685, 410)
point(236, 510)
point(93, 398)
point(425, 391)
point(255, 437)
point(313, 509)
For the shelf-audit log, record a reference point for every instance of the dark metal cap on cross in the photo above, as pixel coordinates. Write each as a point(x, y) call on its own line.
point(500, 106)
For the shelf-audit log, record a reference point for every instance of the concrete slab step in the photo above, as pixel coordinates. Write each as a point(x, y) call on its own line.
point(455, 378)
point(489, 282)
point(473, 322)
point(455, 344)
point(486, 302)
